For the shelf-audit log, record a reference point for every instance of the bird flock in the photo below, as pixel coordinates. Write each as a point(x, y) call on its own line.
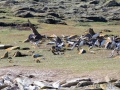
point(89, 38)
point(58, 46)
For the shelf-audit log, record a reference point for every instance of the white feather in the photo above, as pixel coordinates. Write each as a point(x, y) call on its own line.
point(40, 84)
point(56, 85)
point(95, 36)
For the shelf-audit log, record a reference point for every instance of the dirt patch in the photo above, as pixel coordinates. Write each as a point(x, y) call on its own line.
point(57, 74)
point(53, 75)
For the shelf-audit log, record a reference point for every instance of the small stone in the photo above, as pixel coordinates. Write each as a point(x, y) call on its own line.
point(5, 55)
point(82, 51)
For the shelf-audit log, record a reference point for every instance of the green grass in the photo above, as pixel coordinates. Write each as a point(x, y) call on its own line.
point(71, 60)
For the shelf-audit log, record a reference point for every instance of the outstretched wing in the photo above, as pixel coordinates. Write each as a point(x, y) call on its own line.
point(91, 31)
point(58, 40)
point(33, 28)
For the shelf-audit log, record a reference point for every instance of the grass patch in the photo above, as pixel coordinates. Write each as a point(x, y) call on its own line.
point(71, 60)
point(85, 24)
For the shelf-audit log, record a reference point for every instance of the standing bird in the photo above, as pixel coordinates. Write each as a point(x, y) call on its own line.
point(58, 48)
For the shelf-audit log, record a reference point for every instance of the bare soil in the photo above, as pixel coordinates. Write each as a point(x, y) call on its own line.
point(56, 74)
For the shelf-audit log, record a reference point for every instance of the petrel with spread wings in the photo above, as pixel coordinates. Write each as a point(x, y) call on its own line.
point(35, 37)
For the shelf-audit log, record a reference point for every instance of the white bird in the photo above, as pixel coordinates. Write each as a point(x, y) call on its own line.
point(103, 43)
point(95, 35)
point(70, 42)
point(81, 43)
point(56, 85)
point(97, 43)
point(41, 84)
point(50, 43)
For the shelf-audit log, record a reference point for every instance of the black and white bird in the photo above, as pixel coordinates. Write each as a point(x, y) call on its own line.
point(116, 46)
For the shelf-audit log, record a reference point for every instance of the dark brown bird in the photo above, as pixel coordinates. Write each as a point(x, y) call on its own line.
point(36, 36)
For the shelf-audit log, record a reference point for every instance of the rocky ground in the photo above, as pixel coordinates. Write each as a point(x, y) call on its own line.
point(57, 74)
point(67, 79)
point(57, 11)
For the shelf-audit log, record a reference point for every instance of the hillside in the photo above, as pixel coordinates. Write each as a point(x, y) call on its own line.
point(57, 11)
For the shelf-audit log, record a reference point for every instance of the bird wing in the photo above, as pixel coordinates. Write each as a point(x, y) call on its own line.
point(33, 28)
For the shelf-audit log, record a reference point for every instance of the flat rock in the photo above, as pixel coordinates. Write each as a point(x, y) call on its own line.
point(2, 46)
point(13, 48)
